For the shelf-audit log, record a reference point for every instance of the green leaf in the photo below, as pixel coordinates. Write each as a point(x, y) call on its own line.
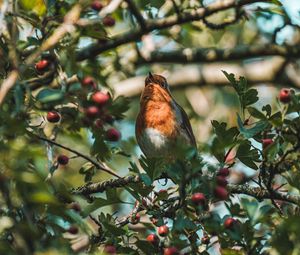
point(267, 108)
point(256, 113)
point(36, 6)
point(50, 96)
point(247, 155)
point(250, 132)
point(146, 179)
point(250, 97)
point(98, 203)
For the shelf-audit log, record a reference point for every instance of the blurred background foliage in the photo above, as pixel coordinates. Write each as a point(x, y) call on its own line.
point(257, 40)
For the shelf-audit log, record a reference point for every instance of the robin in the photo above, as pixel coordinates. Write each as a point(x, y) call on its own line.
point(162, 126)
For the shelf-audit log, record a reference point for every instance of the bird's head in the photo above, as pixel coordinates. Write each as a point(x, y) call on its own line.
point(157, 79)
point(156, 89)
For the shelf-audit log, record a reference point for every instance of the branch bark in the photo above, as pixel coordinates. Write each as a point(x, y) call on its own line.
point(203, 55)
point(151, 25)
point(259, 72)
point(256, 192)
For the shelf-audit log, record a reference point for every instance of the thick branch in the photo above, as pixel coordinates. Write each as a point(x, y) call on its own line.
point(102, 186)
point(259, 72)
point(136, 13)
point(95, 49)
point(219, 55)
point(256, 192)
point(263, 193)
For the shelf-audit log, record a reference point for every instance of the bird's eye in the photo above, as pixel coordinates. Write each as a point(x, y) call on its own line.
point(164, 85)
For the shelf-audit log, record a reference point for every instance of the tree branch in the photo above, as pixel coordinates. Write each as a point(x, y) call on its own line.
point(204, 55)
point(136, 13)
point(66, 27)
point(95, 49)
point(256, 192)
point(258, 72)
point(94, 162)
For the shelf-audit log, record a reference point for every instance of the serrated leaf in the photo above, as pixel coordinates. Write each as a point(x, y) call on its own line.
point(250, 132)
point(247, 155)
point(50, 96)
point(146, 179)
point(256, 113)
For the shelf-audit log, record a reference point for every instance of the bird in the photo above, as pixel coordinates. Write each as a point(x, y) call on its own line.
point(162, 126)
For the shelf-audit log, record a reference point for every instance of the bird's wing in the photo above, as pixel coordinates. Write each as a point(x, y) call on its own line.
point(186, 125)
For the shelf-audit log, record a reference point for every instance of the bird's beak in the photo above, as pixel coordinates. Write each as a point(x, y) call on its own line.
point(150, 76)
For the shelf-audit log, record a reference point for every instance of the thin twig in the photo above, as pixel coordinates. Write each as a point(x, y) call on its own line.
point(94, 162)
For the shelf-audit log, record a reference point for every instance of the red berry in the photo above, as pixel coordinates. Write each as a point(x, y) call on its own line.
point(266, 142)
point(153, 239)
point(96, 5)
point(53, 117)
point(285, 96)
point(73, 230)
point(223, 172)
point(110, 249)
point(135, 218)
point(89, 81)
point(221, 180)
point(221, 193)
point(42, 65)
point(163, 230)
point(92, 112)
point(162, 191)
point(100, 98)
point(62, 159)
point(171, 251)
point(205, 239)
point(229, 223)
point(198, 198)
point(108, 21)
point(113, 135)
point(108, 119)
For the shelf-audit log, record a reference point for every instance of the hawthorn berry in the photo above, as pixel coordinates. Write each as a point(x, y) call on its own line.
point(63, 159)
point(163, 230)
point(73, 230)
point(53, 117)
point(221, 180)
point(135, 218)
point(110, 249)
point(108, 21)
point(229, 223)
point(113, 135)
point(42, 65)
point(285, 95)
point(198, 198)
point(221, 193)
point(92, 112)
point(223, 172)
point(88, 81)
point(153, 239)
point(266, 142)
point(100, 98)
point(96, 5)
point(171, 251)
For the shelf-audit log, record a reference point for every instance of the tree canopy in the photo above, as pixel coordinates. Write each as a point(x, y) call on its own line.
point(72, 177)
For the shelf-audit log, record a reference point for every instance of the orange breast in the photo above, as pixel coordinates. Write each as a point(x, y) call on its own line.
point(156, 112)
